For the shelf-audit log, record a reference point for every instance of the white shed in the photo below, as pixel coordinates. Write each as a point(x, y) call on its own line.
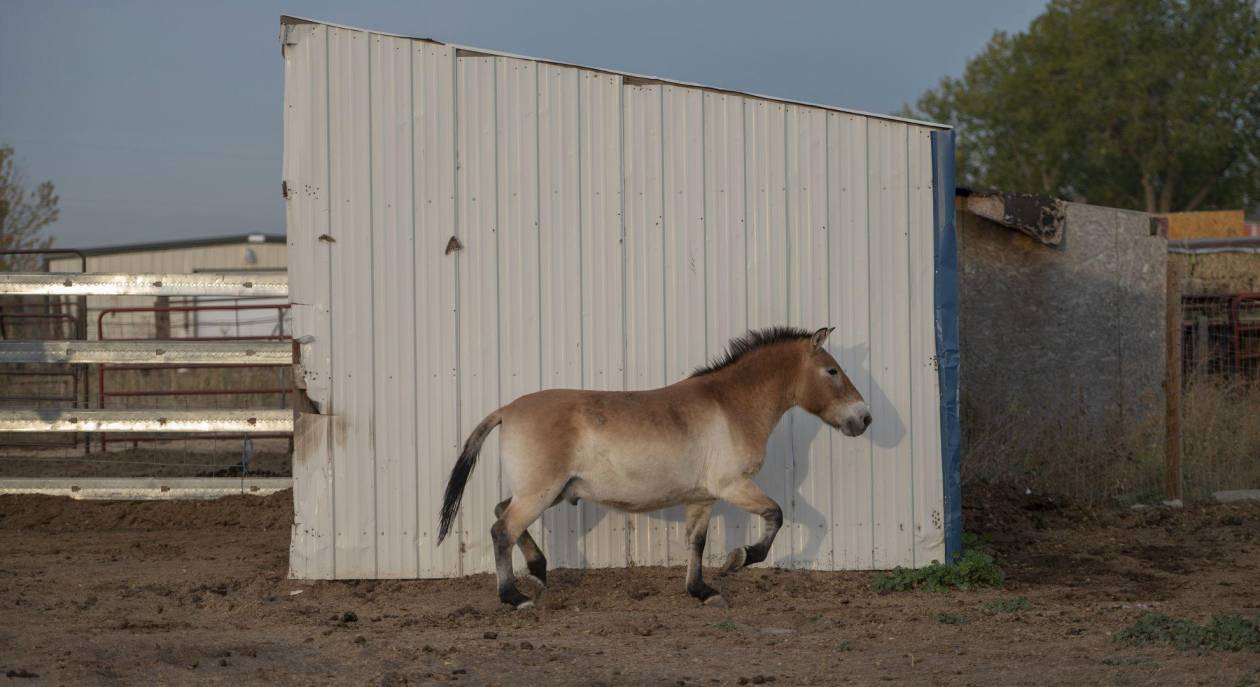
point(467, 226)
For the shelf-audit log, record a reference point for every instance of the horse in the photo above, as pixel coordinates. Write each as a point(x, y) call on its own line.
point(693, 442)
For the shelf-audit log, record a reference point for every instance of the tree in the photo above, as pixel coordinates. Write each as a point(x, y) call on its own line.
point(23, 213)
point(1143, 104)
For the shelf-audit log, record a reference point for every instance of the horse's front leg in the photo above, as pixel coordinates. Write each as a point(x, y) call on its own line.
point(747, 495)
point(697, 533)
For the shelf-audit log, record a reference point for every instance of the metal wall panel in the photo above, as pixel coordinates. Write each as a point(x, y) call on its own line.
point(726, 244)
point(889, 394)
point(350, 227)
point(851, 519)
point(612, 234)
point(603, 298)
point(516, 106)
point(393, 287)
point(434, 299)
point(644, 280)
point(685, 269)
point(478, 307)
point(560, 269)
point(307, 213)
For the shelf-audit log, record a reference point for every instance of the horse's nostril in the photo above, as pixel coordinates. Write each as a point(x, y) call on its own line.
point(866, 419)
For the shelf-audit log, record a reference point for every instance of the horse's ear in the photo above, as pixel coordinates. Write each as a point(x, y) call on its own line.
point(820, 337)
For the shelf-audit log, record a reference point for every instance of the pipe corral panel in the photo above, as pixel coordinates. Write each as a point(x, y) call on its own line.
point(465, 227)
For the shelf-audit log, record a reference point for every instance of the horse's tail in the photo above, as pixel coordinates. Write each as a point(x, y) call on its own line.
point(463, 467)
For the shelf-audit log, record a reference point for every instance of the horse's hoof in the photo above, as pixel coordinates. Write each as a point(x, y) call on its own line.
point(735, 561)
point(524, 605)
point(716, 601)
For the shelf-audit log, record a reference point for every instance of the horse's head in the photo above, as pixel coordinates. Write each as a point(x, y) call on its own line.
point(825, 390)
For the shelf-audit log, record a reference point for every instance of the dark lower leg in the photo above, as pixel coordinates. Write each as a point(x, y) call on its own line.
point(697, 535)
point(508, 593)
point(757, 553)
point(534, 558)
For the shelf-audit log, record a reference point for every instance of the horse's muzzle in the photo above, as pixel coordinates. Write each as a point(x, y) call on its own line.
point(856, 419)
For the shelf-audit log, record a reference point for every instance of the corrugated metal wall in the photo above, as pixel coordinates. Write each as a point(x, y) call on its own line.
point(615, 233)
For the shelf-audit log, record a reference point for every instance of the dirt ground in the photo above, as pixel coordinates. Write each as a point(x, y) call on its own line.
point(172, 593)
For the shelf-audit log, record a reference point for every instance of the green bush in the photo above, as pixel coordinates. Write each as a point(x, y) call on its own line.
point(973, 569)
point(1231, 632)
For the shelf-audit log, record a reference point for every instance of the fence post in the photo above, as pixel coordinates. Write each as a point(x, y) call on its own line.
point(1172, 384)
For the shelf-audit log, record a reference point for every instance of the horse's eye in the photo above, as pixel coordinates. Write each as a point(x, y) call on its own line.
point(833, 371)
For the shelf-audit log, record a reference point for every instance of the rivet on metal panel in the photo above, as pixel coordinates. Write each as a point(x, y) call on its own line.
point(248, 284)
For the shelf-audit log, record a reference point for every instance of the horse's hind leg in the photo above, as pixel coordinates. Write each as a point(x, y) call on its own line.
point(521, 511)
point(534, 558)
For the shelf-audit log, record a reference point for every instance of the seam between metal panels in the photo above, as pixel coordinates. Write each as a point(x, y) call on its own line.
point(628, 530)
point(542, 545)
point(664, 282)
point(743, 139)
point(498, 276)
point(831, 482)
point(581, 519)
point(787, 292)
point(415, 362)
point(870, 444)
point(371, 313)
point(459, 374)
point(332, 474)
point(910, 366)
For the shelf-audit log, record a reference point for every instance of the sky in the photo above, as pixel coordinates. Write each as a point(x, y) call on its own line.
point(162, 120)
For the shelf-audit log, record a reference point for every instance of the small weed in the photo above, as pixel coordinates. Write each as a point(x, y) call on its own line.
point(727, 624)
point(845, 645)
point(1231, 632)
point(1019, 603)
point(1125, 661)
point(951, 619)
point(974, 569)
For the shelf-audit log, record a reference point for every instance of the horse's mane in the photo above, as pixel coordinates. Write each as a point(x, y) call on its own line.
point(741, 346)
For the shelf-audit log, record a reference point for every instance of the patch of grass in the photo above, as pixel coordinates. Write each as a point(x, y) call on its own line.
point(1231, 632)
point(951, 619)
point(727, 624)
point(845, 645)
point(974, 569)
point(1019, 603)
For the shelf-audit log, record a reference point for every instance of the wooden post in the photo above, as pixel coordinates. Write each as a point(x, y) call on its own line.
point(1172, 384)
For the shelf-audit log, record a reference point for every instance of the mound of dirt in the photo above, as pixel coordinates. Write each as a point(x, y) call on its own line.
point(59, 513)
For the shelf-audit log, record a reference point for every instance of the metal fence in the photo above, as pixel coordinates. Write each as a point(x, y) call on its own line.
point(76, 414)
